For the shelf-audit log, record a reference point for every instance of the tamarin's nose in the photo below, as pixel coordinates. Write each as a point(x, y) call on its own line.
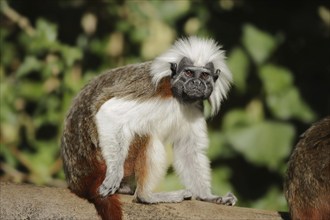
point(197, 82)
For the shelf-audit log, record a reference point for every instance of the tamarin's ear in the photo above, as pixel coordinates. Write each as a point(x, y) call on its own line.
point(173, 69)
point(216, 74)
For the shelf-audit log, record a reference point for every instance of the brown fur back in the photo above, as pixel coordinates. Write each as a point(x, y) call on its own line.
point(307, 183)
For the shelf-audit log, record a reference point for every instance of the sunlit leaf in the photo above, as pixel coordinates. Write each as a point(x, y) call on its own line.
point(42, 161)
point(258, 43)
point(170, 10)
point(289, 104)
point(282, 97)
point(238, 63)
point(240, 118)
point(70, 54)
point(161, 35)
point(7, 155)
point(8, 52)
point(9, 133)
point(266, 143)
point(275, 79)
point(236, 118)
point(29, 64)
point(46, 31)
point(274, 200)
point(30, 90)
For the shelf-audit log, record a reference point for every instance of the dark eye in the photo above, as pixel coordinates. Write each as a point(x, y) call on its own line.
point(189, 73)
point(205, 75)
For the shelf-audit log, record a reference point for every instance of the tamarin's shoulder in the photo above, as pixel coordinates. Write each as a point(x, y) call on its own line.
point(120, 76)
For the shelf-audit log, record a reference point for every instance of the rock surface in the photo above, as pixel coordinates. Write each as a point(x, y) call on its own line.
point(23, 201)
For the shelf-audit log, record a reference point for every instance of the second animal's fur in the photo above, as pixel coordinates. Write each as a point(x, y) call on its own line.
point(307, 180)
point(114, 134)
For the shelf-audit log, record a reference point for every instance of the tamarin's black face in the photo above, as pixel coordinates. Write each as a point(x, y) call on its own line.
point(191, 83)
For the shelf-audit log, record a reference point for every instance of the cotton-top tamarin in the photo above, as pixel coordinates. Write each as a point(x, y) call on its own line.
point(115, 132)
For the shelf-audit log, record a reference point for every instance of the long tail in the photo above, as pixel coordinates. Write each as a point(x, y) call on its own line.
point(109, 208)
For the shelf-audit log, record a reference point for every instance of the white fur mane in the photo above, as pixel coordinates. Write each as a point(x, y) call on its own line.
point(200, 51)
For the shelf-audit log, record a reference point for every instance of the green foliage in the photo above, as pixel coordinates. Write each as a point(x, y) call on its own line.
point(283, 98)
point(40, 75)
point(266, 143)
point(31, 99)
point(259, 44)
point(239, 65)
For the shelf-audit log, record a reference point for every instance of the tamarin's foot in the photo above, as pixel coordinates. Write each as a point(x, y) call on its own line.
point(229, 199)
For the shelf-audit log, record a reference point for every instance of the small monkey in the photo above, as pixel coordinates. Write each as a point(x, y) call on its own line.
point(307, 181)
point(115, 131)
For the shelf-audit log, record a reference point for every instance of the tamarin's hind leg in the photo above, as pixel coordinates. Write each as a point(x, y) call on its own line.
point(127, 186)
point(150, 168)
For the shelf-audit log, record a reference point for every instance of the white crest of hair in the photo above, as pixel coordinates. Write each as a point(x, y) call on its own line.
point(200, 51)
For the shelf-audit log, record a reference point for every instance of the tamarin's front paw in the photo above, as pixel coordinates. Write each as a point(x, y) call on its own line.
point(110, 185)
point(229, 199)
point(187, 195)
point(108, 188)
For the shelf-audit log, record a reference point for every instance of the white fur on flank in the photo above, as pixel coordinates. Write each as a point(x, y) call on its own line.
point(119, 120)
point(200, 51)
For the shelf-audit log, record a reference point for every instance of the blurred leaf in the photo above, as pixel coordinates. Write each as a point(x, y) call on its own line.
point(239, 118)
point(161, 35)
point(29, 64)
point(53, 66)
point(236, 118)
point(259, 44)
point(7, 155)
point(289, 104)
point(48, 111)
point(273, 200)
point(275, 79)
point(8, 100)
point(30, 90)
point(283, 97)
point(44, 39)
point(171, 10)
point(46, 31)
point(72, 79)
point(9, 133)
point(70, 54)
point(238, 63)
point(8, 51)
point(265, 143)
point(41, 162)
point(98, 46)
